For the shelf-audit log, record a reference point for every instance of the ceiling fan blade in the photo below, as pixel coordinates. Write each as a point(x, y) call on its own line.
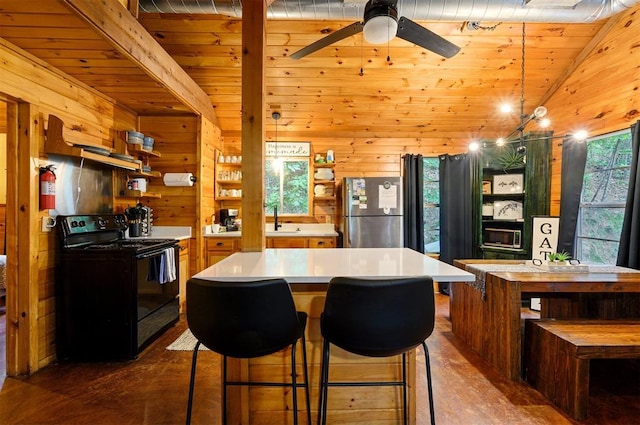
point(414, 33)
point(345, 32)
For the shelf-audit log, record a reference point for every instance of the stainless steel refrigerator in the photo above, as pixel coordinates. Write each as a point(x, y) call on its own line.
point(372, 212)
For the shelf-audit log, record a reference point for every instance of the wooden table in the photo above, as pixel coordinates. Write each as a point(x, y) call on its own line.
point(309, 271)
point(491, 324)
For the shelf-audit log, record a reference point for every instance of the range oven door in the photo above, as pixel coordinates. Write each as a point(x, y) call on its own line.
point(157, 294)
point(157, 280)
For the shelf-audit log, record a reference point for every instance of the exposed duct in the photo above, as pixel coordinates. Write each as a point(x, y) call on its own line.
point(441, 10)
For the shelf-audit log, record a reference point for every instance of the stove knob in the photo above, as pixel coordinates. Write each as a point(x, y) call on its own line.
point(74, 223)
point(102, 222)
point(81, 223)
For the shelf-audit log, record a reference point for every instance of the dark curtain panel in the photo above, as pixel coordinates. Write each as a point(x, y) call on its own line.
point(413, 203)
point(456, 218)
point(574, 159)
point(629, 250)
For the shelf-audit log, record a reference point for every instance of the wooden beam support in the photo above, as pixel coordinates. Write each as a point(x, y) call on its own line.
point(254, 35)
point(124, 32)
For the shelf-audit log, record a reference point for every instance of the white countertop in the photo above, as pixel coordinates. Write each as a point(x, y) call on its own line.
point(289, 230)
point(320, 265)
point(166, 232)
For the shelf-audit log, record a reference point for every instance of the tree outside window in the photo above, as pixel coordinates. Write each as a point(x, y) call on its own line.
point(603, 198)
point(431, 210)
point(288, 190)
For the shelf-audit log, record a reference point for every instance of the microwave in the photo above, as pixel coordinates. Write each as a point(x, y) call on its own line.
point(505, 238)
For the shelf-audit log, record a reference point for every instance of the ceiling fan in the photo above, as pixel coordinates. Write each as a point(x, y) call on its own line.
point(380, 25)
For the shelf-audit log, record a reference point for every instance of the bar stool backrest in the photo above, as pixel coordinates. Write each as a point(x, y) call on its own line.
point(378, 318)
point(243, 319)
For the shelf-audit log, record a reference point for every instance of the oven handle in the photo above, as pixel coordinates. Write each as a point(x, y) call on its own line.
point(153, 254)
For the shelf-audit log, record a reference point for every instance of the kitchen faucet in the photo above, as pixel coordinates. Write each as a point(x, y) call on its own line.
point(275, 219)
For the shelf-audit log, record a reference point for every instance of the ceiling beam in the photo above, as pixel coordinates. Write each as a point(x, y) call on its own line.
point(129, 37)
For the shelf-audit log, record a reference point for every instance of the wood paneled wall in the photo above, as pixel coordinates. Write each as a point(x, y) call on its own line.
point(601, 95)
point(86, 113)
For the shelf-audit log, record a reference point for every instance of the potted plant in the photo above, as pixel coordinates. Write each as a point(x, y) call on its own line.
point(559, 258)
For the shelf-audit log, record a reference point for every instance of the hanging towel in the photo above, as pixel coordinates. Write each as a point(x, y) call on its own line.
point(167, 266)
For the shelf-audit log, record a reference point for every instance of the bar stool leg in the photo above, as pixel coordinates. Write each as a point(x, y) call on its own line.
point(429, 388)
point(294, 385)
point(192, 382)
point(306, 378)
point(405, 415)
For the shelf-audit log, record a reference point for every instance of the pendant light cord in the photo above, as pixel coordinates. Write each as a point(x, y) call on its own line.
point(522, 116)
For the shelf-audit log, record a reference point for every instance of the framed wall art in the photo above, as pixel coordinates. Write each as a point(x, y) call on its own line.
point(507, 183)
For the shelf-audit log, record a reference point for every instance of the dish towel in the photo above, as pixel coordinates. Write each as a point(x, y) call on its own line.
point(167, 266)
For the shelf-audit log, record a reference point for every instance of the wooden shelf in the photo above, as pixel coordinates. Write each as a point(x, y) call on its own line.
point(138, 194)
point(229, 182)
point(55, 143)
point(330, 182)
point(324, 164)
point(228, 198)
point(324, 198)
point(132, 148)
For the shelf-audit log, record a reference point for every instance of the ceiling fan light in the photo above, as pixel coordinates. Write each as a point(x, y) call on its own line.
point(380, 29)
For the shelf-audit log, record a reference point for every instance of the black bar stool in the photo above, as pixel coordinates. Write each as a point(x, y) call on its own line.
point(246, 320)
point(376, 318)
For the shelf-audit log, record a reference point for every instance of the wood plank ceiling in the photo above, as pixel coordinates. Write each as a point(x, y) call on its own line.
point(417, 94)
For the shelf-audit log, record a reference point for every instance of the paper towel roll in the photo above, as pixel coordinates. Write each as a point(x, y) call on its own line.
point(178, 179)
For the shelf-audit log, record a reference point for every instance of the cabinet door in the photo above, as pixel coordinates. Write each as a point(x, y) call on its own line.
point(217, 249)
point(322, 242)
point(288, 242)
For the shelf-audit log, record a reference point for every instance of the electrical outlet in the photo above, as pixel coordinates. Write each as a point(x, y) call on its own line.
point(47, 224)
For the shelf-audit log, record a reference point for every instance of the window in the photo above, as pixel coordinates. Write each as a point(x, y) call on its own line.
point(288, 190)
point(431, 210)
point(603, 198)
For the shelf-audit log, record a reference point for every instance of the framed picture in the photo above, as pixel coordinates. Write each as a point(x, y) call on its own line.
point(507, 210)
point(486, 187)
point(507, 183)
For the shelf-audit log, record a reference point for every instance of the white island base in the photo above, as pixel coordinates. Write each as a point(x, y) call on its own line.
point(309, 271)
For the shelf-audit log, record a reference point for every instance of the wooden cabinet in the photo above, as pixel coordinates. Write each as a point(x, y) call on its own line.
point(324, 242)
point(512, 189)
point(184, 271)
point(301, 242)
point(217, 249)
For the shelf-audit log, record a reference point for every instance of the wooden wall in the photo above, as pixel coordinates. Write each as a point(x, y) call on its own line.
point(602, 94)
point(87, 115)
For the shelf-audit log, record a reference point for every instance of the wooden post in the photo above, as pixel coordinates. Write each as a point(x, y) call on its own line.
point(254, 19)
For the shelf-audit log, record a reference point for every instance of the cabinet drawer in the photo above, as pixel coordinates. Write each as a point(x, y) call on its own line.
point(221, 244)
point(288, 242)
point(322, 243)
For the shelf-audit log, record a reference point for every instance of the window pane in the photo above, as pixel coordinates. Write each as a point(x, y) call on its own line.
point(603, 198)
point(601, 223)
point(295, 187)
point(431, 209)
point(597, 252)
point(289, 190)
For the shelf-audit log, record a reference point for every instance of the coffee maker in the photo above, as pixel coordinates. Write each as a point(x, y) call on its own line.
point(228, 218)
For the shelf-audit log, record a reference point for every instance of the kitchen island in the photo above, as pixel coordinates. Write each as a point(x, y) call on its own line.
point(309, 271)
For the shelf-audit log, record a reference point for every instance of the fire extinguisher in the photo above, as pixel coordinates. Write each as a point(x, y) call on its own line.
point(47, 187)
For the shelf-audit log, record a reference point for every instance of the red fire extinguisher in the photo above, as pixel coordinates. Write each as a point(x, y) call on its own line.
point(47, 188)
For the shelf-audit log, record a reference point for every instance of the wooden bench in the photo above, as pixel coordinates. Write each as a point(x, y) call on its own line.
point(557, 355)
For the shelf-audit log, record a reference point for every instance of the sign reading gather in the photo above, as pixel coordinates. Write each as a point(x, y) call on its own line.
point(545, 237)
